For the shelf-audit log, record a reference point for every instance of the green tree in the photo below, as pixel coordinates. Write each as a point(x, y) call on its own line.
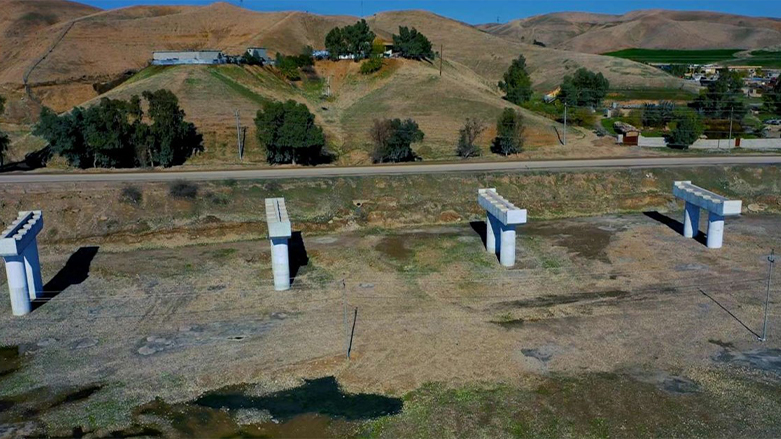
point(393, 140)
point(509, 133)
point(658, 115)
point(722, 97)
point(64, 135)
point(467, 138)
point(584, 88)
point(175, 139)
point(688, 128)
point(353, 40)
point(412, 44)
point(288, 67)
point(371, 65)
point(289, 133)
point(772, 99)
point(106, 131)
point(517, 84)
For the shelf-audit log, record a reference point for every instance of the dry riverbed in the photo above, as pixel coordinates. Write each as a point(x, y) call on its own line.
point(607, 326)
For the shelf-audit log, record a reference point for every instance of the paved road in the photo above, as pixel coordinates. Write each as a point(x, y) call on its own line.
point(405, 169)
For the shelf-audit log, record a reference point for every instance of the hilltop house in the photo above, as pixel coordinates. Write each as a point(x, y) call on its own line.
point(179, 57)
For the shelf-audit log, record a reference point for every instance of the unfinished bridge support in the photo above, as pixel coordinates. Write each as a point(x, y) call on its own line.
point(718, 207)
point(19, 249)
point(501, 219)
point(279, 232)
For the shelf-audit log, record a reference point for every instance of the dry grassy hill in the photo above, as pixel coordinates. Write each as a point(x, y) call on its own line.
point(210, 95)
point(98, 46)
point(650, 29)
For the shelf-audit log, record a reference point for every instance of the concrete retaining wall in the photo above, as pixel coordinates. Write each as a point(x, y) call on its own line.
point(714, 144)
point(760, 143)
point(651, 142)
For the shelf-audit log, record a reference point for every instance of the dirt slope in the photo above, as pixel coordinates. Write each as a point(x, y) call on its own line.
point(651, 29)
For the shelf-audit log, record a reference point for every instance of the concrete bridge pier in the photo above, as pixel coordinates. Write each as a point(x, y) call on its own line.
point(691, 220)
point(507, 245)
point(32, 266)
point(715, 230)
point(17, 285)
point(280, 263)
point(491, 228)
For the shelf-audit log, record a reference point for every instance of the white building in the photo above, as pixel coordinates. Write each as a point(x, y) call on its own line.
point(177, 57)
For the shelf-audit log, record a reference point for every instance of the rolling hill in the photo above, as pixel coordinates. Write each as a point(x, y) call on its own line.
point(648, 29)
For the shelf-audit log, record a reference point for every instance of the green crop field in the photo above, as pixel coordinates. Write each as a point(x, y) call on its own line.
point(675, 56)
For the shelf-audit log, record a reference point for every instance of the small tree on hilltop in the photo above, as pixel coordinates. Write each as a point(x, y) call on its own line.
point(467, 136)
point(517, 84)
point(354, 40)
point(688, 128)
point(412, 44)
point(393, 139)
point(509, 133)
point(289, 133)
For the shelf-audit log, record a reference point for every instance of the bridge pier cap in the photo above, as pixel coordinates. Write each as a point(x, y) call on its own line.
point(717, 206)
point(501, 218)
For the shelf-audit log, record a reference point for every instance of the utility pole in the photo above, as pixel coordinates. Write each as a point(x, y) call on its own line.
point(238, 136)
point(344, 318)
point(772, 260)
point(730, 125)
point(441, 52)
point(565, 122)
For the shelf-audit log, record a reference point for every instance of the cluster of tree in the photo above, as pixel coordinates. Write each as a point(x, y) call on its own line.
point(114, 133)
point(509, 133)
point(288, 132)
point(355, 40)
point(393, 139)
point(721, 100)
point(5, 142)
point(678, 70)
point(411, 44)
point(658, 115)
point(516, 84)
point(251, 60)
point(772, 99)
point(584, 88)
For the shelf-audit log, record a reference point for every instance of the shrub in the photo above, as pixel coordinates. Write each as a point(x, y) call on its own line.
point(509, 133)
point(131, 195)
point(467, 136)
point(371, 65)
point(393, 139)
point(183, 190)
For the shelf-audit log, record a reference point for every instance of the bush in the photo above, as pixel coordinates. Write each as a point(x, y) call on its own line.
point(371, 65)
point(217, 198)
point(393, 139)
point(509, 133)
point(131, 195)
point(467, 138)
point(688, 128)
point(583, 117)
point(183, 190)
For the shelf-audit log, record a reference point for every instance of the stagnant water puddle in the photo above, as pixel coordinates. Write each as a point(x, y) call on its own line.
point(318, 408)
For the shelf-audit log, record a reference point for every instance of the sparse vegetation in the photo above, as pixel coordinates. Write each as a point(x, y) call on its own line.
point(517, 84)
point(183, 190)
point(412, 44)
point(131, 195)
point(467, 138)
point(658, 115)
point(509, 133)
point(393, 139)
point(289, 133)
point(114, 133)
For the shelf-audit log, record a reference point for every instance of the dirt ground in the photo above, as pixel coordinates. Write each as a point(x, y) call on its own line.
point(590, 295)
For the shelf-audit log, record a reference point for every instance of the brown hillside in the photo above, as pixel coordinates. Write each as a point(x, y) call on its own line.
point(651, 29)
point(490, 55)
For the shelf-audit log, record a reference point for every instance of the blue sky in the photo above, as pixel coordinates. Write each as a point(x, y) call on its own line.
point(477, 11)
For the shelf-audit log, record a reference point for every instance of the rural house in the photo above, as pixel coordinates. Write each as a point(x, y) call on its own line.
point(177, 57)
